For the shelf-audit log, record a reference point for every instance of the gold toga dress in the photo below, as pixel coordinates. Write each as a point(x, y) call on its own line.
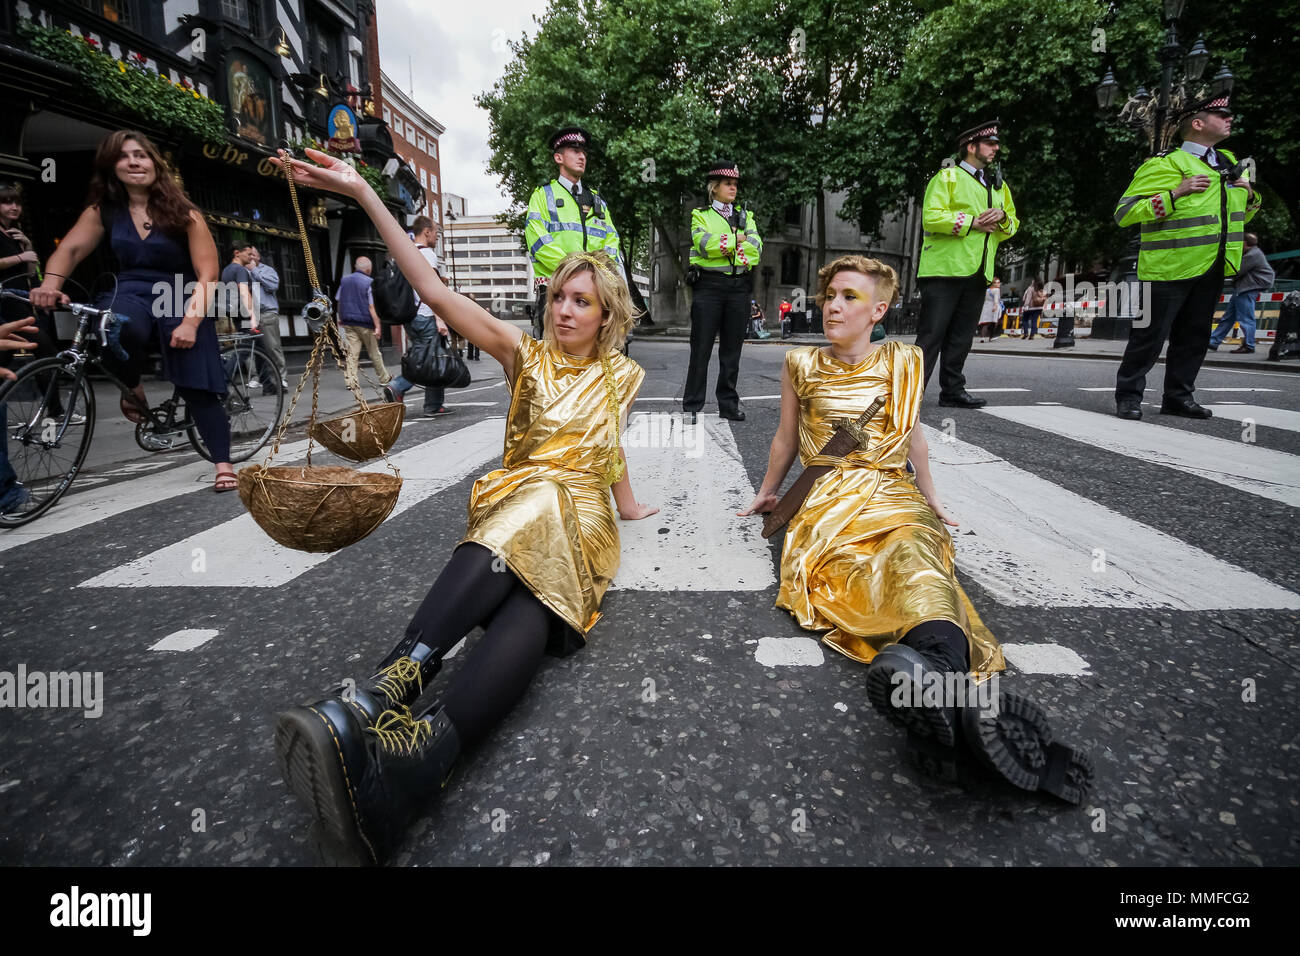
point(547, 513)
point(866, 558)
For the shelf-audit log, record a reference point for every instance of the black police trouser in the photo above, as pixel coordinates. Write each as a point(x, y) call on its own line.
point(1182, 312)
point(950, 314)
point(719, 309)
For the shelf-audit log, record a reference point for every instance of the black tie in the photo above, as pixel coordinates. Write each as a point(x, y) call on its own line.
point(983, 177)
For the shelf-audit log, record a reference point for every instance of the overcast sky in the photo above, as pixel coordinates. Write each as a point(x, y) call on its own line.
point(456, 49)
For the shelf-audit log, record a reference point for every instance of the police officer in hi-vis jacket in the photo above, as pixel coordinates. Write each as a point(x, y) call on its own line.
point(1192, 204)
point(725, 248)
point(967, 212)
point(566, 215)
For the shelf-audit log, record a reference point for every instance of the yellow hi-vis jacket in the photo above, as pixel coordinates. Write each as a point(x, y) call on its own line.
point(1182, 237)
point(953, 199)
point(555, 227)
point(720, 249)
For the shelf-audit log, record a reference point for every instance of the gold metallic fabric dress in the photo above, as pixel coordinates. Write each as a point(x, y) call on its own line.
point(866, 559)
point(547, 512)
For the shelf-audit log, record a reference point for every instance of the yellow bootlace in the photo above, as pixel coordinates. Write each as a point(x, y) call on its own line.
point(399, 732)
point(397, 676)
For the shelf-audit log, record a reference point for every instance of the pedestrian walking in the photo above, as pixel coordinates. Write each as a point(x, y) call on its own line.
point(756, 330)
point(968, 211)
point(266, 283)
point(541, 549)
point(1190, 203)
point(725, 249)
point(566, 215)
point(867, 561)
point(1031, 308)
point(991, 311)
point(360, 322)
point(1255, 276)
point(156, 235)
point(426, 326)
point(783, 311)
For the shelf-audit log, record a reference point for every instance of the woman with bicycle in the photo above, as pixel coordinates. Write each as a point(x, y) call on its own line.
point(541, 548)
point(156, 235)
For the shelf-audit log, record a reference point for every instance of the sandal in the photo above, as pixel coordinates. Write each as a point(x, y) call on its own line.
point(130, 410)
point(226, 481)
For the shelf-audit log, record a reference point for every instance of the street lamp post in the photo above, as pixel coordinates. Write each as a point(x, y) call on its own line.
point(451, 246)
point(1139, 111)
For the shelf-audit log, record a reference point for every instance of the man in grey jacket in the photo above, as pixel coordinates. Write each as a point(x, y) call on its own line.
point(268, 282)
point(1254, 277)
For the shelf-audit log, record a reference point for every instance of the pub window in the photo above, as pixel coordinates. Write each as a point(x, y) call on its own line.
point(421, 143)
point(247, 13)
point(324, 41)
point(794, 215)
point(388, 116)
point(115, 11)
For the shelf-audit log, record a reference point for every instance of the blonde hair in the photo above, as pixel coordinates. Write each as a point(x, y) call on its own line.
point(611, 291)
point(883, 276)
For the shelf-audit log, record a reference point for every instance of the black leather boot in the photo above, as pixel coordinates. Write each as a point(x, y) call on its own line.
point(398, 682)
point(902, 684)
point(363, 785)
point(1014, 740)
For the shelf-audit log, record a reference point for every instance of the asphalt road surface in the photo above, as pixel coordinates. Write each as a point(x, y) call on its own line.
point(1142, 577)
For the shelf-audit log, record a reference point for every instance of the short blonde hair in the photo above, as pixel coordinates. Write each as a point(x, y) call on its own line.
point(883, 276)
point(611, 291)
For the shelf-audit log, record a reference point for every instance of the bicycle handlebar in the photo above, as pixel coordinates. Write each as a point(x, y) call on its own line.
point(76, 308)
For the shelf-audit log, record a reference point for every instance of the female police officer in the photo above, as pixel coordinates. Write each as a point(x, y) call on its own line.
point(725, 248)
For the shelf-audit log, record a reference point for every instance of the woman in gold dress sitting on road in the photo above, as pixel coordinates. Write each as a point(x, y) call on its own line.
point(541, 548)
point(867, 559)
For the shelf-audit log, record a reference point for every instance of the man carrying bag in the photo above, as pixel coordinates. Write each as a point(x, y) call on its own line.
point(424, 333)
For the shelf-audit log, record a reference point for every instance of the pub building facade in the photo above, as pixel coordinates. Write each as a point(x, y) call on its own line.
point(282, 72)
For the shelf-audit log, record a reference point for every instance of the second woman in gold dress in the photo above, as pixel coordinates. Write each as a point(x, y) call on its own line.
point(867, 560)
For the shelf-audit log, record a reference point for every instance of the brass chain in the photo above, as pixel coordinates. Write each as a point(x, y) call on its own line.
point(317, 358)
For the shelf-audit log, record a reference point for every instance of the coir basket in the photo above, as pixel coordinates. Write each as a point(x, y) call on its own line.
point(362, 433)
point(317, 508)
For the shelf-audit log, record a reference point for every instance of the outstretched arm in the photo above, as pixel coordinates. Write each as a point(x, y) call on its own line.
point(499, 339)
point(920, 458)
point(785, 446)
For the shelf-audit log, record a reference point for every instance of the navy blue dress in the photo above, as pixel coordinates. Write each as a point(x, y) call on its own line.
point(145, 266)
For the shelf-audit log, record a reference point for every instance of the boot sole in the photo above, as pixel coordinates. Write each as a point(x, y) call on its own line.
point(934, 723)
point(1017, 745)
point(311, 763)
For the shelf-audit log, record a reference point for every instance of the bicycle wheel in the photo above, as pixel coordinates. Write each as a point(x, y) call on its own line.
point(45, 451)
point(254, 412)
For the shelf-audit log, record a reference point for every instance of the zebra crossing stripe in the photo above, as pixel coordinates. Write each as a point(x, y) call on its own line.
point(79, 509)
point(696, 477)
point(1260, 415)
point(1029, 542)
point(219, 557)
point(1239, 465)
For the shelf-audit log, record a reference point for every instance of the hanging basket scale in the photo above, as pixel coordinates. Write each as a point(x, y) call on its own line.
point(323, 508)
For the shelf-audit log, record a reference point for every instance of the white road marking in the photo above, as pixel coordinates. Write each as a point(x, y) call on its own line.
point(1046, 659)
point(1259, 414)
point(789, 652)
point(1037, 544)
point(1203, 388)
point(997, 389)
point(694, 474)
point(1047, 403)
point(470, 404)
point(237, 553)
point(185, 640)
point(1239, 465)
point(79, 509)
point(1108, 388)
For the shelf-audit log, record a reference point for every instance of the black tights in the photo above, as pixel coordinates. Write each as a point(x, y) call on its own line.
point(941, 641)
point(471, 592)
